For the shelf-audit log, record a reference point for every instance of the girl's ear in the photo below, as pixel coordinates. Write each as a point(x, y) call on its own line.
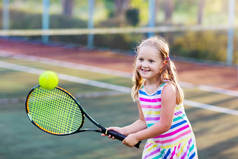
point(165, 62)
point(162, 68)
point(164, 65)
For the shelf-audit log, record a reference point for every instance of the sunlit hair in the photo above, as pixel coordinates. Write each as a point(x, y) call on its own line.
point(167, 72)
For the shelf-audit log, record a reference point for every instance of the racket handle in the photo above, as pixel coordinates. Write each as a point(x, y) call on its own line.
point(120, 136)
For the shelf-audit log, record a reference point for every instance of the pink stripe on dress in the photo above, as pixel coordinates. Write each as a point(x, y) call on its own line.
point(173, 153)
point(148, 145)
point(152, 118)
point(171, 140)
point(152, 153)
point(151, 106)
point(178, 113)
point(174, 132)
point(185, 154)
point(150, 100)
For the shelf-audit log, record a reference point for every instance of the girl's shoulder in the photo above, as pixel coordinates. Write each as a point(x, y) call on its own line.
point(168, 88)
point(167, 84)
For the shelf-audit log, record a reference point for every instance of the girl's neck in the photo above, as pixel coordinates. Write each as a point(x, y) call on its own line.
point(151, 86)
point(152, 82)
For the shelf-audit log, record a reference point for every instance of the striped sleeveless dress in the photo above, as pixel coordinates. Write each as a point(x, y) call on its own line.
point(178, 142)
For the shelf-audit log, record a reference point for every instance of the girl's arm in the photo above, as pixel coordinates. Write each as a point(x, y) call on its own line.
point(166, 116)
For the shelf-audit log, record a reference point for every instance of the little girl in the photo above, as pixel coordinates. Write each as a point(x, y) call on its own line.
point(162, 119)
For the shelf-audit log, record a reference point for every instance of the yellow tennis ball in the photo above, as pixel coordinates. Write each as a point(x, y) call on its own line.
point(48, 80)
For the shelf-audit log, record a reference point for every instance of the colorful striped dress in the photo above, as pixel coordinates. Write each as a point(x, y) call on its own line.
point(178, 142)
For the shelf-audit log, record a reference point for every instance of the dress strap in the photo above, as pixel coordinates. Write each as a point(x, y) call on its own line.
point(162, 85)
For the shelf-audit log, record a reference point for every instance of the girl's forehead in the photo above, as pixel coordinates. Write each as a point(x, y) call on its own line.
point(148, 50)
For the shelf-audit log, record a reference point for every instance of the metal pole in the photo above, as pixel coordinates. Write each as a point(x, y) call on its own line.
point(90, 22)
point(5, 13)
point(45, 19)
point(151, 16)
point(231, 20)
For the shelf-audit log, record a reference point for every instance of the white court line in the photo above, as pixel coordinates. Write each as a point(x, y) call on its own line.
point(80, 95)
point(210, 89)
point(108, 71)
point(109, 86)
point(65, 77)
point(210, 107)
point(66, 64)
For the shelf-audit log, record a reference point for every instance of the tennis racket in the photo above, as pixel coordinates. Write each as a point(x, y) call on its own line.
point(57, 112)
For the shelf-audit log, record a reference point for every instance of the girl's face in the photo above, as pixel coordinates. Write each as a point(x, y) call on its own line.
point(148, 63)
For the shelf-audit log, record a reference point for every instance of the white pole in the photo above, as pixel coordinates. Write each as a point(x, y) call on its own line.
point(5, 12)
point(45, 19)
point(90, 22)
point(151, 16)
point(231, 20)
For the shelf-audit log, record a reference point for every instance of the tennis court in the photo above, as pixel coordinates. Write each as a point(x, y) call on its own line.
point(215, 124)
point(91, 46)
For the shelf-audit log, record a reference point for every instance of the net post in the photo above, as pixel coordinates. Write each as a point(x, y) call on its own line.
point(151, 16)
point(45, 20)
point(5, 13)
point(231, 19)
point(90, 22)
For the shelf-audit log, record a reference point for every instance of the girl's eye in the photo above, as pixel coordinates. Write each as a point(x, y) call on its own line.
point(141, 59)
point(151, 61)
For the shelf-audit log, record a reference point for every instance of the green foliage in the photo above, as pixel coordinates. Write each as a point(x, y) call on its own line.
point(110, 7)
point(132, 16)
point(23, 20)
point(142, 6)
point(118, 41)
point(59, 21)
point(185, 4)
point(205, 45)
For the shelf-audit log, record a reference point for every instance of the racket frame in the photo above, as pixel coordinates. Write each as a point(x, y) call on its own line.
point(84, 114)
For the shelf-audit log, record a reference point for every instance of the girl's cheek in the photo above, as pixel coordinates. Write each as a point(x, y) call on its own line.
point(137, 64)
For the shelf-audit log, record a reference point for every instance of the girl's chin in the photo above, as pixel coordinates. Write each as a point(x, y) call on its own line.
point(145, 75)
point(144, 72)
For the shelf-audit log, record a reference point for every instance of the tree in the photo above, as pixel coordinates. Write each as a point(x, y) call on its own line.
point(201, 6)
point(121, 7)
point(157, 4)
point(132, 16)
point(168, 10)
point(67, 7)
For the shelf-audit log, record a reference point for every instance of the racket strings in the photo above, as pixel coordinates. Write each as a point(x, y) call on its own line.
point(54, 111)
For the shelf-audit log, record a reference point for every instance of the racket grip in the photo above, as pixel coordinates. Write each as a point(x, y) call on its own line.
point(120, 136)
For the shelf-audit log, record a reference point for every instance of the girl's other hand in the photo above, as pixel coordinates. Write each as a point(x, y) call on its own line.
point(131, 140)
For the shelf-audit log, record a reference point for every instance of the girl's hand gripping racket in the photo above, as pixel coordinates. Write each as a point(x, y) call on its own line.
point(57, 112)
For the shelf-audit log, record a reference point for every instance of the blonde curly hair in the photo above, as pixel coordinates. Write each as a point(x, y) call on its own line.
point(167, 72)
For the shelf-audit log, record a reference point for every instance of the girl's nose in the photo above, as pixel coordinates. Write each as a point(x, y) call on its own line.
point(144, 64)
